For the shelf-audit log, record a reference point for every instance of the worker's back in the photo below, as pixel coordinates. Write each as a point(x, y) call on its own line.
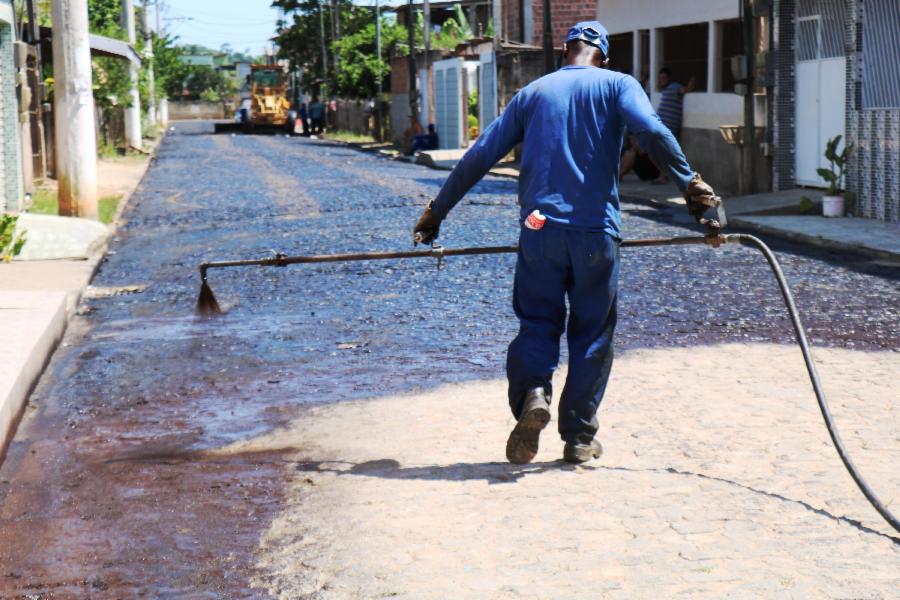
point(572, 141)
point(571, 124)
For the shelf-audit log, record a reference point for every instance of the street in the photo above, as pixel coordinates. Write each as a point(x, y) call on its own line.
point(167, 455)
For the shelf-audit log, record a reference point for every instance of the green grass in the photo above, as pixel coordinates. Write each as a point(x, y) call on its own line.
point(348, 136)
point(107, 208)
point(46, 202)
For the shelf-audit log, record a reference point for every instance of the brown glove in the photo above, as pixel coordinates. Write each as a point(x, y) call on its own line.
point(427, 228)
point(699, 196)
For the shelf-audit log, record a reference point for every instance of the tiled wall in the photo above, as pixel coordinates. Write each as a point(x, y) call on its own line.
point(873, 173)
point(784, 93)
point(9, 139)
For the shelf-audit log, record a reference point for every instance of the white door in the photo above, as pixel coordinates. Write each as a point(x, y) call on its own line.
point(449, 110)
point(820, 85)
point(487, 90)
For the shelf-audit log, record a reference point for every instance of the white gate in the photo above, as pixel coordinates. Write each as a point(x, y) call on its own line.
point(449, 109)
point(820, 84)
point(487, 89)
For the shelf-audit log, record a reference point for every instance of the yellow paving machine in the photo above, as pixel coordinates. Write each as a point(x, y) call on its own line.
point(264, 103)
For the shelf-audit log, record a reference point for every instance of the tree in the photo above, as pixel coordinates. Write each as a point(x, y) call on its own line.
point(355, 74)
point(167, 67)
point(111, 81)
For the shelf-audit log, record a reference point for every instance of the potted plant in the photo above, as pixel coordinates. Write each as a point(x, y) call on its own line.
point(833, 201)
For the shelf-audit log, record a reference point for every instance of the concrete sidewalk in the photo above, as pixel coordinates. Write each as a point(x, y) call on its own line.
point(37, 297)
point(777, 214)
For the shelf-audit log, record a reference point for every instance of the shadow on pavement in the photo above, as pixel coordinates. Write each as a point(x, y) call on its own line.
point(501, 472)
point(388, 468)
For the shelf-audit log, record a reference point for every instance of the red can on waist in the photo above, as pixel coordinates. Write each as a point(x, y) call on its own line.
point(535, 220)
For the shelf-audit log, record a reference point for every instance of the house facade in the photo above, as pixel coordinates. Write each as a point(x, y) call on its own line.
point(695, 40)
point(837, 73)
point(10, 157)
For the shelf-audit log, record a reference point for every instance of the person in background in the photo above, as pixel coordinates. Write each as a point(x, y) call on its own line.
point(635, 158)
point(427, 141)
point(410, 134)
point(304, 118)
point(671, 104)
point(317, 116)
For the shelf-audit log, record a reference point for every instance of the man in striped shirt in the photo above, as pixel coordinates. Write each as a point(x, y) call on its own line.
point(671, 104)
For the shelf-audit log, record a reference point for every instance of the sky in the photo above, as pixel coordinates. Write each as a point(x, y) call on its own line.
point(245, 24)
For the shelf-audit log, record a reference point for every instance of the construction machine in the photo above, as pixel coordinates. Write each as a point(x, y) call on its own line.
point(264, 103)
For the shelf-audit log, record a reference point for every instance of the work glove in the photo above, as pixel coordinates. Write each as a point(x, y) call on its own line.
point(699, 197)
point(427, 228)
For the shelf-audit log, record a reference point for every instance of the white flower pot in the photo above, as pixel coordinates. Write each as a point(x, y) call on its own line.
point(832, 206)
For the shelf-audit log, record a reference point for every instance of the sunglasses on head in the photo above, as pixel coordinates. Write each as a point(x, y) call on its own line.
point(588, 35)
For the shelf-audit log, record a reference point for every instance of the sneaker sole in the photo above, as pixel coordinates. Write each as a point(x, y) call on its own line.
point(578, 457)
point(522, 445)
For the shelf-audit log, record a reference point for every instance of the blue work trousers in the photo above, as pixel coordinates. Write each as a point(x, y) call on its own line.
point(553, 263)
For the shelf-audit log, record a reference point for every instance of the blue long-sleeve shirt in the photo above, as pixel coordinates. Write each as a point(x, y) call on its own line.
point(571, 123)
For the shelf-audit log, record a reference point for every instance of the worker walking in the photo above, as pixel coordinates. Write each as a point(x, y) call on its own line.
point(571, 125)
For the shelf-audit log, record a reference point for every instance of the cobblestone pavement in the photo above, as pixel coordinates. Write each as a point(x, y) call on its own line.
point(117, 483)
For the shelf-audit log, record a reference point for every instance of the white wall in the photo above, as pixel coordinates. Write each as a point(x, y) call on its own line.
point(708, 111)
point(6, 11)
point(621, 16)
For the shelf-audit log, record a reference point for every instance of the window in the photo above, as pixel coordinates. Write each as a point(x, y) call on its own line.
point(732, 44)
point(684, 52)
point(620, 53)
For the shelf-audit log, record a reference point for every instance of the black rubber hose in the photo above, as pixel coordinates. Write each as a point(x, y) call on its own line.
point(749, 240)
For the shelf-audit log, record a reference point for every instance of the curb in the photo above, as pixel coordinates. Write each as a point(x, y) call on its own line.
point(817, 241)
point(31, 364)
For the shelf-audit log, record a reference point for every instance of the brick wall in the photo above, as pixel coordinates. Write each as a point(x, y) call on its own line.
point(399, 75)
point(565, 14)
point(512, 20)
point(9, 137)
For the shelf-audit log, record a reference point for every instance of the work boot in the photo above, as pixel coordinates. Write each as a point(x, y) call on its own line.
point(522, 445)
point(577, 453)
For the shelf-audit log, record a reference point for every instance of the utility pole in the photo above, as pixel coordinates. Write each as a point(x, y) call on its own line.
point(148, 57)
point(158, 6)
point(379, 136)
point(324, 90)
point(426, 39)
point(335, 28)
point(132, 113)
point(76, 137)
point(748, 149)
point(411, 40)
point(549, 61)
